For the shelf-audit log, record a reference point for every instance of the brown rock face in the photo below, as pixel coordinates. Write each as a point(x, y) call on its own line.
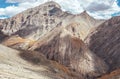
point(71, 52)
point(105, 42)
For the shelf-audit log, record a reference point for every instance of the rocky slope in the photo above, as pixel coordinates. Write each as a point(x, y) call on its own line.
point(105, 42)
point(60, 45)
point(30, 65)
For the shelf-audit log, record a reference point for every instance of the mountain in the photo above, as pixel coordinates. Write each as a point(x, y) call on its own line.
point(63, 47)
point(34, 23)
point(105, 42)
point(47, 36)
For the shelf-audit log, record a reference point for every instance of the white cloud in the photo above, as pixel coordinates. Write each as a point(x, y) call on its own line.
point(13, 10)
point(10, 11)
point(96, 8)
point(19, 1)
point(106, 13)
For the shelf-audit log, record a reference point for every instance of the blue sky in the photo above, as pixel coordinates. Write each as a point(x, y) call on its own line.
point(118, 2)
point(4, 4)
point(100, 9)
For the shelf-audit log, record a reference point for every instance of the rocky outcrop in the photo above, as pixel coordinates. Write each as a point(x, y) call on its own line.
point(71, 52)
point(33, 23)
point(105, 42)
point(31, 65)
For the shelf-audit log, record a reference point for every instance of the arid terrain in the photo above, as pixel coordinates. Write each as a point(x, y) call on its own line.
point(47, 43)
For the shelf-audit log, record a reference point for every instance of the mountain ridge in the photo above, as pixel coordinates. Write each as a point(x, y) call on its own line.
point(27, 19)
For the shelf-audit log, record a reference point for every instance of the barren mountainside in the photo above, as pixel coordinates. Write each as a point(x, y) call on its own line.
point(47, 43)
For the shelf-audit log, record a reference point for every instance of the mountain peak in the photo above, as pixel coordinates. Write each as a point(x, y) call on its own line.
point(84, 11)
point(52, 4)
point(85, 14)
point(36, 22)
